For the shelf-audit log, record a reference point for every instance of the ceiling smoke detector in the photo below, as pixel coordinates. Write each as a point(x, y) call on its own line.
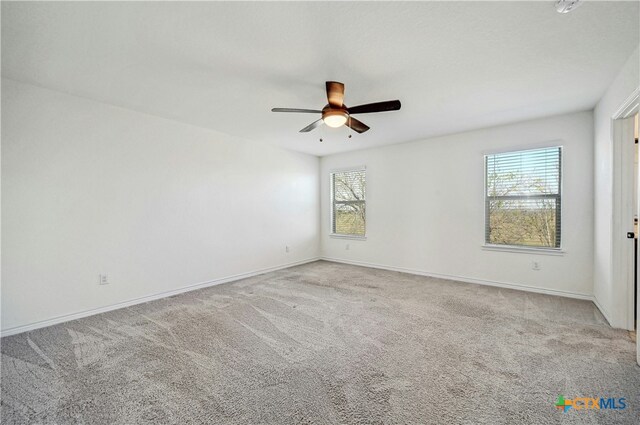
point(566, 6)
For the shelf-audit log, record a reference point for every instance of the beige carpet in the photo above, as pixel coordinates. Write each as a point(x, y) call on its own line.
point(325, 343)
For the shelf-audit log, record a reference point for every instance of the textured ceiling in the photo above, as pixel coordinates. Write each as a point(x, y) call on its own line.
point(455, 66)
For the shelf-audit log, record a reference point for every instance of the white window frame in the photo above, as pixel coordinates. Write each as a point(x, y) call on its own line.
point(331, 204)
point(542, 250)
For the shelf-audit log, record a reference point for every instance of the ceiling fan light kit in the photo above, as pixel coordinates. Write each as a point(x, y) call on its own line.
point(335, 114)
point(334, 117)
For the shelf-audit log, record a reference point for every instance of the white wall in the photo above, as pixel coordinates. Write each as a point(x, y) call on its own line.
point(425, 206)
point(610, 295)
point(89, 188)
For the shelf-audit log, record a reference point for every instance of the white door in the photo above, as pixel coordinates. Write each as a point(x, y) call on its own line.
point(634, 137)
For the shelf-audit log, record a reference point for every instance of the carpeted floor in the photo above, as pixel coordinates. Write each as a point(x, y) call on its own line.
point(325, 343)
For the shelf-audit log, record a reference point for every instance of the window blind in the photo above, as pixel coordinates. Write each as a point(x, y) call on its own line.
point(348, 203)
point(523, 201)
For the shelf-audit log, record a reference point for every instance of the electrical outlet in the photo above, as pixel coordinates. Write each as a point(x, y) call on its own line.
point(346, 246)
point(286, 249)
point(535, 265)
point(103, 279)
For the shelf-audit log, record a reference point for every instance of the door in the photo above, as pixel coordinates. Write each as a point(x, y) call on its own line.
point(629, 131)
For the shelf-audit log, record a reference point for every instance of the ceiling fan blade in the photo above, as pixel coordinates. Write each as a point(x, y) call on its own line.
point(308, 111)
point(335, 93)
point(389, 105)
point(311, 126)
point(358, 126)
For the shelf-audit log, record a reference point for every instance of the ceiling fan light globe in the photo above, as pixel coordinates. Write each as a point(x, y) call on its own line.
point(335, 119)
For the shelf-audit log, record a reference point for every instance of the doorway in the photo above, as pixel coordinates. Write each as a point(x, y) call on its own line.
point(636, 206)
point(626, 209)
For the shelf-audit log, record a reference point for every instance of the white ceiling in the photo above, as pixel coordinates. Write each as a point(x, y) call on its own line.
point(455, 66)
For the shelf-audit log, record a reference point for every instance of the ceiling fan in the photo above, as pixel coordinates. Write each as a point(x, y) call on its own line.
point(336, 113)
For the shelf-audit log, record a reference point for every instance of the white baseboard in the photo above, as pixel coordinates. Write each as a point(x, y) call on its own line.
point(81, 314)
point(603, 310)
point(516, 286)
point(86, 313)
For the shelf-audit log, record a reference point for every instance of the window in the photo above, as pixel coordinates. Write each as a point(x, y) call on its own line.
point(348, 203)
point(523, 198)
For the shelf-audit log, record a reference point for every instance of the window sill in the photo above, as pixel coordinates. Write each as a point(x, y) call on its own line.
point(353, 237)
point(525, 250)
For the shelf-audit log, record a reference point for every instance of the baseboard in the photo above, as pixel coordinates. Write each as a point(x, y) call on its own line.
point(516, 286)
point(603, 310)
point(128, 303)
